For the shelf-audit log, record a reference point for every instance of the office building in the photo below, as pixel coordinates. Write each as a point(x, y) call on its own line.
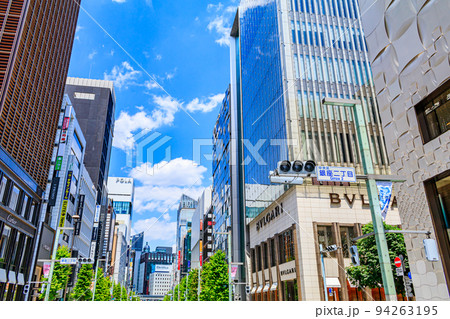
point(137, 245)
point(33, 67)
point(185, 212)
point(121, 192)
point(204, 208)
point(408, 51)
point(286, 56)
point(155, 272)
point(94, 101)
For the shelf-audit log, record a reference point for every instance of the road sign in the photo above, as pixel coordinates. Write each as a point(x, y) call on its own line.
point(68, 261)
point(399, 272)
point(397, 262)
point(336, 174)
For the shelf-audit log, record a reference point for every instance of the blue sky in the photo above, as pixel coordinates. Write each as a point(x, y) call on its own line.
point(169, 61)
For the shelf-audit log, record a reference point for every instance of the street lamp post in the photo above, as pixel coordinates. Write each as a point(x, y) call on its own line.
point(228, 233)
point(52, 265)
point(366, 157)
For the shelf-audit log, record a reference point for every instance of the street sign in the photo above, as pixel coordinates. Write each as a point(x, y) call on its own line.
point(68, 261)
point(336, 174)
point(399, 272)
point(398, 262)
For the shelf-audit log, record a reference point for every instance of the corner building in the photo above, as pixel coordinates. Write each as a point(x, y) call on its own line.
point(287, 56)
point(408, 49)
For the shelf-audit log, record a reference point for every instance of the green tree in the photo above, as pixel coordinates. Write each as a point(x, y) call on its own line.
point(102, 288)
point(175, 293)
point(214, 279)
point(116, 292)
point(124, 294)
point(82, 290)
point(61, 274)
point(183, 289)
point(192, 285)
point(166, 298)
point(368, 274)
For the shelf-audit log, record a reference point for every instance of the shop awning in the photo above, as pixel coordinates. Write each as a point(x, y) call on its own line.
point(274, 286)
point(2, 275)
point(253, 290)
point(266, 288)
point(259, 289)
point(333, 282)
point(12, 277)
point(20, 279)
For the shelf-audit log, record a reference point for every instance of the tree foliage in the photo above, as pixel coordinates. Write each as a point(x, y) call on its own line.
point(183, 289)
point(61, 274)
point(102, 287)
point(192, 285)
point(214, 279)
point(368, 274)
point(82, 290)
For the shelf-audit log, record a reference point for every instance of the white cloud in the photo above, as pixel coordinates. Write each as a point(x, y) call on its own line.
point(119, 1)
point(79, 28)
point(158, 57)
point(162, 114)
point(221, 23)
point(123, 75)
point(205, 105)
point(92, 55)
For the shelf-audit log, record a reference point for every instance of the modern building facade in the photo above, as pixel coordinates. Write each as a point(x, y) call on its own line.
point(204, 208)
point(137, 245)
point(286, 56)
point(185, 212)
point(156, 272)
point(121, 192)
point(94, 101)
point(408, 50)
point(31, 57)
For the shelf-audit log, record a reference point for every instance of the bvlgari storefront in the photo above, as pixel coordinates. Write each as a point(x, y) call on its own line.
point(285, 239)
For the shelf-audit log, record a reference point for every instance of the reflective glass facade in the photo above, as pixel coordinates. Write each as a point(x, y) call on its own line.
point(263, 109)
point(294, 53)
point(221, 192)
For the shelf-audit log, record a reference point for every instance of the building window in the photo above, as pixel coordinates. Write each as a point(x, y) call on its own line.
point(265, 259)
point(15, 192)
point(258, 257)
point(273, 262)
point(347, 234)
point(325, 237)
point(286, 246)
point(433, 113)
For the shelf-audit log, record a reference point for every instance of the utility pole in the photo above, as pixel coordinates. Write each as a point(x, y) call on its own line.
point(366, 158)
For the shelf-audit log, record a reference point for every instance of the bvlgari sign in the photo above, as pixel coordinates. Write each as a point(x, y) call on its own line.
point(288, 271)
point(270, 216)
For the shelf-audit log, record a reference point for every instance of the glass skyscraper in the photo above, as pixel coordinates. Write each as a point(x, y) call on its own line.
point(290, 55)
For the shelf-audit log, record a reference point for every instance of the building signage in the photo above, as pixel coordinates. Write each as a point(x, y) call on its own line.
point(68, 261)
point(12, 220)
point(80, 206)
point(97, 213)
point(350, 199)
point(92, 253)
point(122, 180)
point(288, 271)
point(163, 268)
point(385, 191)
point(17, 222)
point(66, 122)
point(58, 163)
point(63, 136)
point(179, 259)
point(336, 174)
point(53, 191)
point(266, 219)
point(65, 202)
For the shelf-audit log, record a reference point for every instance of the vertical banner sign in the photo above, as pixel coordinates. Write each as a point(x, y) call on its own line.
point(80, 206)
point(179, 259)
point(53, 191)
point(58, 163)
point(66, 122)
point(97, 213)
point(65, 202)
point(46, 269)
point(234, 269)
point(201, 253)
point(385, 192)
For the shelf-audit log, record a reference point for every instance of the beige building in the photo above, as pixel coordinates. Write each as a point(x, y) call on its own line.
point(408, 44)
point(285, 237)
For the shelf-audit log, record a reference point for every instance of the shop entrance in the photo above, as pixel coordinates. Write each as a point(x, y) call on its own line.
point(290, 291)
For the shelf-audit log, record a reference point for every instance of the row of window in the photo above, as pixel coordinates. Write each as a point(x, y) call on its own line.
point(325, 35)
point(337, 8)
point(17, 200)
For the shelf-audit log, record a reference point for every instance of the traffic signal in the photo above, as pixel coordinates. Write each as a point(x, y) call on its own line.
point(299, 168)
point(26, 288)
point(247, 289)
point(85, 260)
point(355, 255)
